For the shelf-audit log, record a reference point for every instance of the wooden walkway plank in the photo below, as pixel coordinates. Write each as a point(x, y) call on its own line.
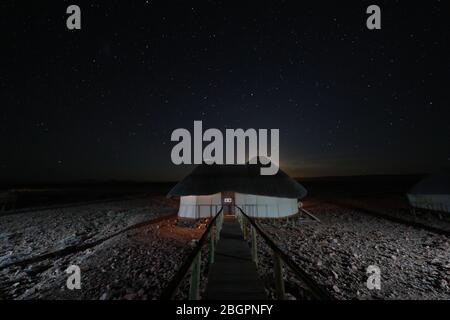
point(233, 276)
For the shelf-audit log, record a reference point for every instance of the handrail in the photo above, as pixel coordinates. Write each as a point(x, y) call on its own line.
point(316, 290)
point(173, 285)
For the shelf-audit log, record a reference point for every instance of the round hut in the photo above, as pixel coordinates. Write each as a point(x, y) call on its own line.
point(210, 187)
point(432, 193)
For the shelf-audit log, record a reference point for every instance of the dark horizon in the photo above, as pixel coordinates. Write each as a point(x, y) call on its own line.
point(101, 103)
point(94, 182)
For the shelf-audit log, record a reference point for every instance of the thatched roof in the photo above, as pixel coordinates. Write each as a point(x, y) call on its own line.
point(433, 184)
point(209, 179)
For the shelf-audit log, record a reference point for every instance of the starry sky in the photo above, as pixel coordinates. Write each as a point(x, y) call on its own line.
point(101, 102)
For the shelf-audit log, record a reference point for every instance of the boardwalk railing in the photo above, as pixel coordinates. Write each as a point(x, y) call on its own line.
point(193, 262)
point(279, 258)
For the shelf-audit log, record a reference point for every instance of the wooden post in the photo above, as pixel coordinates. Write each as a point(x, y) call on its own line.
point(217, 229)
point(254, 246)
point(211, 246)
point(278, 276)
point(244, 230)
point(194, 292)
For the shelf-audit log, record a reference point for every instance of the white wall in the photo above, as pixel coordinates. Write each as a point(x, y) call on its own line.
point(255, 206)
point(438, 202)
point(266, 207)
point(200, 206)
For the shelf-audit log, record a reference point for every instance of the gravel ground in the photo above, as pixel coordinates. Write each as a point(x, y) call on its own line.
point(134, 265)
point(414, 264)
point(399, 208)
point(31, 234)
point(137, 264)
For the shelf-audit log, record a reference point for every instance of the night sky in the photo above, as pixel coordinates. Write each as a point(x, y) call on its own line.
point(101, 103)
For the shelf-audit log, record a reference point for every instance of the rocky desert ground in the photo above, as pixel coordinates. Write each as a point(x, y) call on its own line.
point(414, 264)
point(131, 249)
point(128, 258)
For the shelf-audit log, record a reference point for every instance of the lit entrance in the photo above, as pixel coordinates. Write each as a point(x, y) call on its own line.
point(228, 203)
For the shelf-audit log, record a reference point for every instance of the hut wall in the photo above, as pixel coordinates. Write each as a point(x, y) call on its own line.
point(200, 206)
point(437, 202)
point(265, 206)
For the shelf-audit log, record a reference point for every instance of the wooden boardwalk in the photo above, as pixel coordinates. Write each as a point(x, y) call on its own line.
point(233, 276)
